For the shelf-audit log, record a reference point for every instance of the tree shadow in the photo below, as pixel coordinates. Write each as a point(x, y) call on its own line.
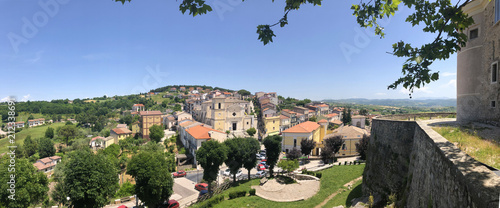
point(355, 193)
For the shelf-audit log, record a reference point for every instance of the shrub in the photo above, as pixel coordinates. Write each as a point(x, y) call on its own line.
point(304, 171)
point(340, 163)
point(318, 175)
point(345, 163)
point(350, 163)
point(214, 200)
point(236, 194)
point(251, 192)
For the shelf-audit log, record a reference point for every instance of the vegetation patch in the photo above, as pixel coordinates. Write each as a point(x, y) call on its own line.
point(346, 196)
point(485, 151)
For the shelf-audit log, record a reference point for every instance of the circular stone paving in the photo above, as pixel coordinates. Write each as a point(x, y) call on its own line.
point(274, 191)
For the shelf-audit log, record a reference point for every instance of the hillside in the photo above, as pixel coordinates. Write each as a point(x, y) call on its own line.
point(398, 102)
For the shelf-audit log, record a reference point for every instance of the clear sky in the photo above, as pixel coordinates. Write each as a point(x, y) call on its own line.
point(79, 49)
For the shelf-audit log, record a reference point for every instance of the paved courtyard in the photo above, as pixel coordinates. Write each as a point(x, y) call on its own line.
point(274, 191)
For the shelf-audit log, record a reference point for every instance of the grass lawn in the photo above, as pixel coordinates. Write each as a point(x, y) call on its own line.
point(346, 196)
point(333, 179)
point(482, 150)
point(35, 132)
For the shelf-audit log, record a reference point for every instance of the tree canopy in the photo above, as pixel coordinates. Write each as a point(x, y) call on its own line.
point(251, 146)
point(442, 18)
point(293, 154)
point(306, 146)
point(362, 146)
point(210, 156)
point(156, 133)
point(273, 150)
point(49, 133)
point(235, 155)
point(68, 132)
point(46, 148)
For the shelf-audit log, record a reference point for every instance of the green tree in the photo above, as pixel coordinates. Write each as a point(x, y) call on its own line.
point(46, 148)
point(313, 119)
point(106, 133)
point(251, 146)
point(68, 132)
point(235, 154)
point(293, 154)
point(30, 117)
point(177, 107)
point(289, 165)
point(210, 156)
point(89, 179)
point(156, 133)
point(362, 146)
point(273, 150)
point(332, 147)
point(346, 116)
point(363, 112)
point(243, 92)
point(49, 133)
point(307, 145)
point(30, 145)
point(113, 150)
point(151, 173)
point(30, 186)
point(251, 131)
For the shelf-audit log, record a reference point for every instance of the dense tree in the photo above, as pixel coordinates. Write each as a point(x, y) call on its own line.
point(235, 154)
point(307, 145)
point(30, 146)
point(113, 150)
point(46, 148)
point(273, 150)
point(251, 146)
point(30, 186)
point(156, 133)
point(251, 131)
point(362, 146)
point(30, 117)
point(243, 92)
point(313, 119)
point(327, 154)
point(68, 132)
point(293, 154)
point(346, 116)
point(210, 156)
point(49, 133)
point(288, 165)
point(151, 173)
point(332, 147)
point(89, 179)
point(363, 112)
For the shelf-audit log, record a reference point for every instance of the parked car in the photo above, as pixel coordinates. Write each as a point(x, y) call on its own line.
point(202, 193)
point(179, 173)
point(261, 167)
point(227, 172)
point(260, 174)
point(201, 186)
point(170, 204)
point(238, 174)
point(264, 164)
point(262, 152)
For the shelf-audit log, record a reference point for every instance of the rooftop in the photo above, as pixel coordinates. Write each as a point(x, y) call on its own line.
point(306, 127)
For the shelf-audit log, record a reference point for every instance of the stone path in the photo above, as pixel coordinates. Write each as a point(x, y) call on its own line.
point(275, 191)
point(350, 183)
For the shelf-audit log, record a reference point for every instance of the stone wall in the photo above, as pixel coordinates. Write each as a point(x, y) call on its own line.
point(424, 169)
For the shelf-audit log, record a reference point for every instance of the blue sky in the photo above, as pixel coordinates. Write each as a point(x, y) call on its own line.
point(91, 48)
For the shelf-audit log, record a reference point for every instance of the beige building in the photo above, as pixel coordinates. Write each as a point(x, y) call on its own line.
point(358, 121)
point(478, 84)
point(227, 114)
point(351, 135)
point(119, 134)
point(148, 119)
point(308, 130)
point(198, 134)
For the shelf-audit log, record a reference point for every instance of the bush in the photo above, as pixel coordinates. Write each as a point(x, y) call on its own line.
point(350, 163)
point(214, 200)
point(251, 192)
point(318, 175)
point(340, 163)
point(304, 171)
point(182, 151)
point(236, 194)
point(345, 163)
point(127, 189)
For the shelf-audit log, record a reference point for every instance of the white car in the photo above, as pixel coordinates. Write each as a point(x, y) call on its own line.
point(227, 172)
point(260, 174)
point(238, 174)
point(261, 157)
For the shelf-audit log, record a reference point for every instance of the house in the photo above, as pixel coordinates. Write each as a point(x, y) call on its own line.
point(478, 84)
point(308, 130)
point(136, 127)
point(292, 115)
point(183, 116)
point(351, 135)
point(173, 89)
point(36, 122)
point(196, 135)
point(137, 107)
point(122, 126)
point(268, 112)
point(259, 94)
point(120, 134)
point(358, 121)
point(17, 125)
point(169, 121)
point(226, 114)
point(47, 164)
point(332, 117)
point(302, 110)
point(183, 126)
point(272, 125)
point(182, 89)
point(147, 120)
point(284, 122)
point(100, 142)
point(319, 108)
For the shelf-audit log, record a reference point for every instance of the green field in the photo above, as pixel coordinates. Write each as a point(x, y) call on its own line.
point(346, 196)
point(332, 180)
point(35, 132)
point(482, 150)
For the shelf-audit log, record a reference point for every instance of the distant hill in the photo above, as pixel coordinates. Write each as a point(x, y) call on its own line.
point(399, 102)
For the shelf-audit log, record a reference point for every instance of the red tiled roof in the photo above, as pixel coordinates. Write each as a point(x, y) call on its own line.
point(149, 113)
point(139, 105)
point(331, 115)
point(306, 127)
point(338, 122)
point(284, 117)
point(200, 132)
point(97, 137)
point(46, 160)
point(134, 113)
point(323, 121)
point(121, 131)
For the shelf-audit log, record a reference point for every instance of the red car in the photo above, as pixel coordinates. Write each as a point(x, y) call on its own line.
point(180, 173)
point(261, 167)
point(201, 186)
point(170, 204)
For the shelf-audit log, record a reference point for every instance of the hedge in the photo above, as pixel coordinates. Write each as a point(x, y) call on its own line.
point(251, 192)
point(236, 194)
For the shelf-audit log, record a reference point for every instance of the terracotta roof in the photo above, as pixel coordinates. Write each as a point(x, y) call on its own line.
point(200, 132)
point(45, 160)
point(97, 137)
point(338, 122)
point(40, 119)
point(323, 121)
point(121, 131)
point(139, 105)
point(40, 166)
point(323, 105)
point(359, 116)
point(311, 111)
point(186, 123)
point(55, 157)
point(306, 127)
point(349, 131)
point(134, 113)
point(121, 126)
point(149, 113)
point(284, 117)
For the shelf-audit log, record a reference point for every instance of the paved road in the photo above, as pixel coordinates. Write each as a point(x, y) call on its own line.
point(195, 176)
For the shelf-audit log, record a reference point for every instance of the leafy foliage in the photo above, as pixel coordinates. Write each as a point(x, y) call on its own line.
point(68, 132)
point(30, 146)
point(151, 171)
point(46, 148)
point(31, 187)
point(273, 150)
point(49, 133)
point(251, 146)
point(293, 154)
point(235, 155)
point(156, 133)
point(332, 146)
point(251, 131)
point(127, 189)
point(210, 156)
point(307, 145)
point(362, 146)
point(289, 165)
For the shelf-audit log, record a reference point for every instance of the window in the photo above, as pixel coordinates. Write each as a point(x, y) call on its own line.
point(497, 10)
point(273, 121)
point(494, 72)
point(219, 105)
point(493, 104)
point(234, 114)
point(294, 142)
point(343, 147)
point(473, 34)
